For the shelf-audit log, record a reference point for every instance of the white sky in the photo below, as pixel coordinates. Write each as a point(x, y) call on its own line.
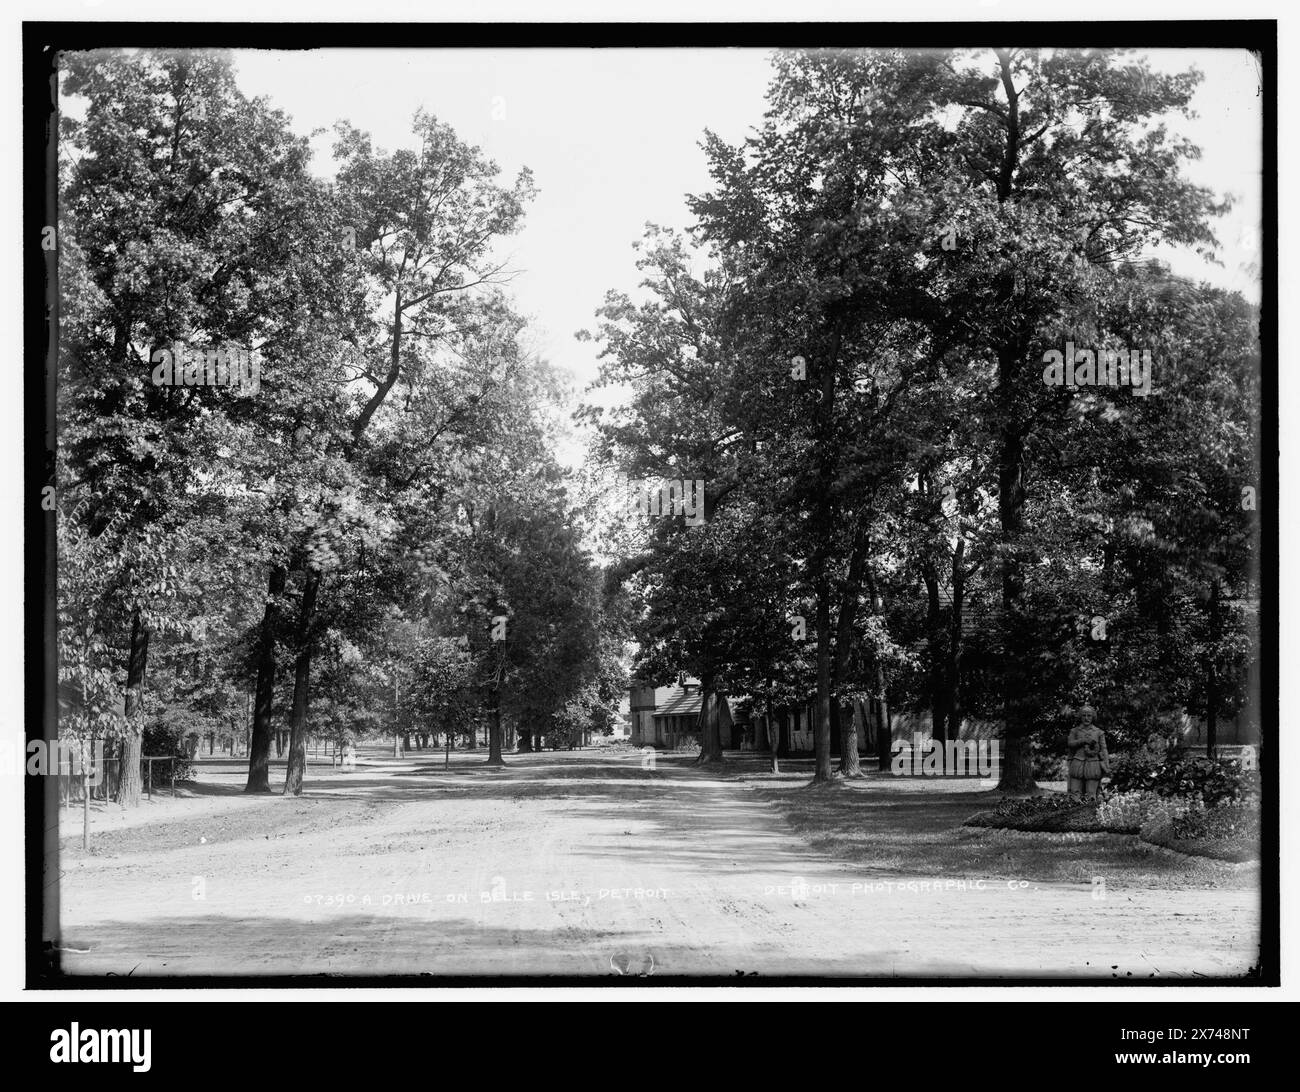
point(612, 138)
point(610, 135)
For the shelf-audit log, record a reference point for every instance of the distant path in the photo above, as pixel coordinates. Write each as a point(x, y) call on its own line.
point(391, 869)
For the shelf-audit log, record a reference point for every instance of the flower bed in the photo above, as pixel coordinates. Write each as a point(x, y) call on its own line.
point(1228, 832)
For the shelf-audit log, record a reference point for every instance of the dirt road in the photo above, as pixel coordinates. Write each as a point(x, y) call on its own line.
point(587, 864)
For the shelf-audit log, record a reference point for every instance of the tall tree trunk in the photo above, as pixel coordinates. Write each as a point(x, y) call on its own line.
point(85, 797)
point(937, 654)
point(710, 722)
point(1212, 675)
point(1017, 764)
point(879, 704)
point(822, 722)
point(823, 530)
point(301, 679)
point(773, 737)
point(494, 730)
point(259, 748)
point(850, 763)
point(130, 783)
point(1211, 711)
point(847, 733)
point(113, 769)
point(955, 636)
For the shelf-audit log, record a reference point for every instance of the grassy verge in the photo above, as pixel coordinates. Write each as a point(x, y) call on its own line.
point(915, 827)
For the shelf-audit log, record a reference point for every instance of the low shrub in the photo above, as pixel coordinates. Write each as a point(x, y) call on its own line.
point(1232, 821)
point(1158, 823)
point(1215, 782)
point(1228, 833)
point(166, 740)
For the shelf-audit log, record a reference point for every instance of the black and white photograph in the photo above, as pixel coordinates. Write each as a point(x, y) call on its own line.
point(787, 505)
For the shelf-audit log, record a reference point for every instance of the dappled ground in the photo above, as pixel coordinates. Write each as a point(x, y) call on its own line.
point(584, 863)
point(891, 823)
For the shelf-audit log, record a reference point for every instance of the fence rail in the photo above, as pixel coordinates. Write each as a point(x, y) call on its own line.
point(105, 776)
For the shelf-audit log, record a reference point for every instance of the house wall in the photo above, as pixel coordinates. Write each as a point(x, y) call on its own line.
point(1239, 730)
point(799, 722)
point(643, 728)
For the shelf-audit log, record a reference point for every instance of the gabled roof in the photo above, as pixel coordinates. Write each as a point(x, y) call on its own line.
point(679, 701)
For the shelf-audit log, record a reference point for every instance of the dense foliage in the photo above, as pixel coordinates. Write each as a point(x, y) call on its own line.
point(854, 351)
point(361, 530)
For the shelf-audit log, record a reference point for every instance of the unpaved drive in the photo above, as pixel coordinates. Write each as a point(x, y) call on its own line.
point(586, 864)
